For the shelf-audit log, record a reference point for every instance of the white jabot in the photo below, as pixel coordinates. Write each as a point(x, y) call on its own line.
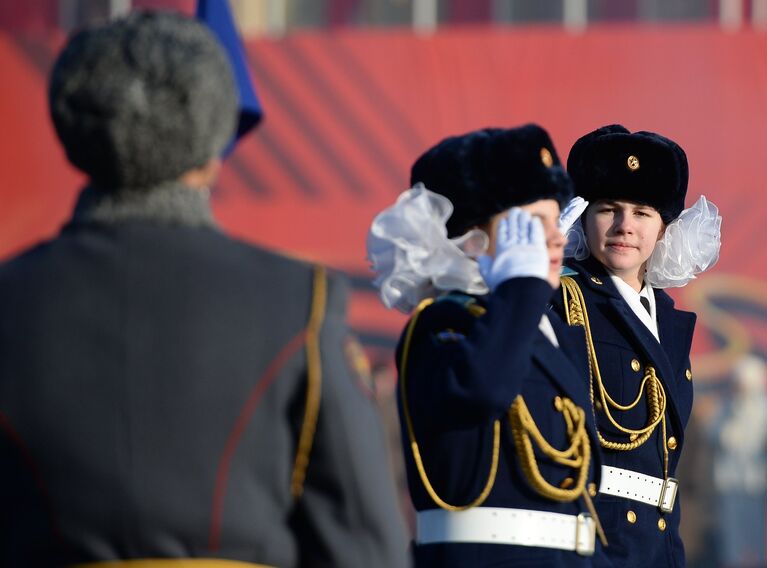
point(545, 326)
point(632, 298)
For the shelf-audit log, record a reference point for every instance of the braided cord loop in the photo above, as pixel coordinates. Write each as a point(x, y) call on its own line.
point(651, 388)
point(577, 455)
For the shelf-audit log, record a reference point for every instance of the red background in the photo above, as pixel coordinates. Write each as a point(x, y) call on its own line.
point(348, 111)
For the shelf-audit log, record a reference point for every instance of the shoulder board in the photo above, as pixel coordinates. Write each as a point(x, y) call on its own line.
point(466, 301)
point(449, 335)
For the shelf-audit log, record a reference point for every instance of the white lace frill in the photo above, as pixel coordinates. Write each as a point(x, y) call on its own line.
point(689, 246)
point(576, 247)
point(408, 248)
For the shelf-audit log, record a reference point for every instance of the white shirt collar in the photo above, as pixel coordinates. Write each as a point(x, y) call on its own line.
point(546, 328)
point(632, 298)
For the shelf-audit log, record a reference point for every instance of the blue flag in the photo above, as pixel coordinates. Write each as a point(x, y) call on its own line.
point(217, 15)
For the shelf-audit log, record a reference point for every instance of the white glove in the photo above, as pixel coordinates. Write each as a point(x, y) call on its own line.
point(520, 250)
point(571, 212)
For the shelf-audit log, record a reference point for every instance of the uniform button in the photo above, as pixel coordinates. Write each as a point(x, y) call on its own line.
point(593, 489)
point(688, 374)
point(672, 443)
point(635, 365)
point(598, 406)
point(662, 524)
point(631, 517)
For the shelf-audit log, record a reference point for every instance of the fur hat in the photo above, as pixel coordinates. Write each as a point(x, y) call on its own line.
point(643, 167)
point(488, 171)
point(142, 99)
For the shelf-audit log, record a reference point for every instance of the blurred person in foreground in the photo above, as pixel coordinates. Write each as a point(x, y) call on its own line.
point(167, 392)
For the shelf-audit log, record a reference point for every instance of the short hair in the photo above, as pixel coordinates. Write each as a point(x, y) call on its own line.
point(142, 99)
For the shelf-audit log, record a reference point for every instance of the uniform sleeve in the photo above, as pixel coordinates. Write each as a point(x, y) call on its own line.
point(463, 369)
point(348, 515)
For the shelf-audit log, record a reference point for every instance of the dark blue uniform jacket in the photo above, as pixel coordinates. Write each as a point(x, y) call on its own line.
point(620, 339)
point(463, 373)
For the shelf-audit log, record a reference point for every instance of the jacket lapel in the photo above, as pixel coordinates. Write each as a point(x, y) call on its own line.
point(649, 345)
point(675, 328)
point(572, 341)
point(562, 370)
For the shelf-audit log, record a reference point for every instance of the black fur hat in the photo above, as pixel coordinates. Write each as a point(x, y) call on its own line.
point(643, 167)
point(488, 171)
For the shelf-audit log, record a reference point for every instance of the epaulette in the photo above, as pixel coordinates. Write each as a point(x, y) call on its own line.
point(449, 335)
point(466, 301)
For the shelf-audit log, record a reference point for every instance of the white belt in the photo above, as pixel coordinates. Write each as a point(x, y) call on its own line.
point(495, 525)
point(639, 487)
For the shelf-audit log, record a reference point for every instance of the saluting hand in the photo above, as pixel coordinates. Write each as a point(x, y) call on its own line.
point(520, 250)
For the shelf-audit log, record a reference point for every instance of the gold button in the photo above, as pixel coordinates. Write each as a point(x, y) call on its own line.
point(633, 163)
point(631, 517)
point(662, 524)
point(593, 489)
point(635, 365)
point(688, 374)
point(598, 406)
point(596, 280)
point(672, 443)
point(546, 157)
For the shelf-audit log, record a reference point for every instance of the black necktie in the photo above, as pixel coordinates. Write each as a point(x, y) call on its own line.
point(645, 303)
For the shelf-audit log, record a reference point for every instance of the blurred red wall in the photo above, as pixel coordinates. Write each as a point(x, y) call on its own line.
point(347, 112)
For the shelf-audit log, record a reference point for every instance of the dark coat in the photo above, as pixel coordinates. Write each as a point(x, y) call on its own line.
point(463, 373)
point(620, 338)
point(152, 387)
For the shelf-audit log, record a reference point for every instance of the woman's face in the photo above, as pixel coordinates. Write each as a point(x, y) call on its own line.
point(547, 210)
point(622, 236)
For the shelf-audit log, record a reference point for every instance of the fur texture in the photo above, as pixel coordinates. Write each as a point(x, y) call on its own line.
point(599, 165)
point(488, 171)
point(142, 100)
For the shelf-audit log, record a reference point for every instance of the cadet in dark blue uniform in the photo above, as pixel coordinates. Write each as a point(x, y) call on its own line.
point(639, 344)
point(499, 438)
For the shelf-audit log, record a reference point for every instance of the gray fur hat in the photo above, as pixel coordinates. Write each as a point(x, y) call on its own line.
point(142, 99)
